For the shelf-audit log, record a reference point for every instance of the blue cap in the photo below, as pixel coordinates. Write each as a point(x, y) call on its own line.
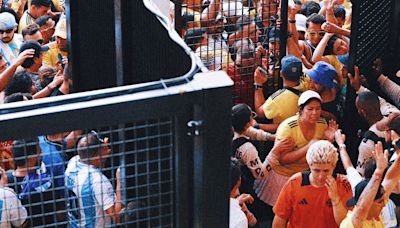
point(274, 35)
point(344, 59)
point(292, 68)
point(7, 21)
point(323, 74)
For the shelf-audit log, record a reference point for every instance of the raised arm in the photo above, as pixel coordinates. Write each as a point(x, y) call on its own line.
point(320, 49)
point(7, 75)
point(344, 156)
point(361, 211)
point(393, 174)
point(259, 98)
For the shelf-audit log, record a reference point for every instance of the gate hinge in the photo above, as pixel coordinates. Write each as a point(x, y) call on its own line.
point(195, 127)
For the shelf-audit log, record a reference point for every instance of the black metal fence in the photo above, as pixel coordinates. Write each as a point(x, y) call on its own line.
point(162, 149)
point(225, 35)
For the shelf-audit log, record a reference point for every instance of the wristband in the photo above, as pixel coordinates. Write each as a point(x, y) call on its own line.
point(257, 126)
point(342, 146)
point(292, 21)
point(257, 86)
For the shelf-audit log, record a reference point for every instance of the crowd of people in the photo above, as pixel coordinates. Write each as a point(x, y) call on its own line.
point(296, 101)
point(289, 109)
point(51, 180)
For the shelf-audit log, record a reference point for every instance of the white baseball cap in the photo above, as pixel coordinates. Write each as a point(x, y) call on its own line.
point(307, 95)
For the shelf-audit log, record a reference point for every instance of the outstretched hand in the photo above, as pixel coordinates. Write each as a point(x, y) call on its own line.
point(330, 131)
point(355, 80)
point(381, 157)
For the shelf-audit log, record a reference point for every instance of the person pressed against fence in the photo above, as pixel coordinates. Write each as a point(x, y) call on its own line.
point(92, 201)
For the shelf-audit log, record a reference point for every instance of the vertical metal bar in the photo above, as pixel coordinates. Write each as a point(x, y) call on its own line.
point(119, 68)
point(284, 26)
point(211, 159)
point(178, 17)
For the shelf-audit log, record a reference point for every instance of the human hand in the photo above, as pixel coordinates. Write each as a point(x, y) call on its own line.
point(260, 52)
point(331, 186)
point(282, 146)
point(381, 157)
point(245, 198)
point(330, 28)
point(330, 131)
point(355, 80)
point(339, 137)
point(258, 77)
point(292, 13)
point(28, 53)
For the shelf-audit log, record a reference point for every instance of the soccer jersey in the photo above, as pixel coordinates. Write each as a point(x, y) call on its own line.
point(290, 128)
point(50, 57)
point(25, 20)
point(10, 51)
point(304, 205)
point(12, 211)
point(90, 194)
point(281, 105)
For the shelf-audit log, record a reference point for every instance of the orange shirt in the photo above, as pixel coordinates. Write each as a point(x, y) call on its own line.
point(307, 206)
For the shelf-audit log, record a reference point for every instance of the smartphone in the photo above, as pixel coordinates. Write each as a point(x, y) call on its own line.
point(60, 58)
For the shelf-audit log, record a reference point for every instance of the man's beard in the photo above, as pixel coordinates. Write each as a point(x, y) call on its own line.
point(10, 39)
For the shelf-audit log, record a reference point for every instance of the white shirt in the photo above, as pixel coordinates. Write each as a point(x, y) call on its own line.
point(10, 51)
point(12, 211)
point(94, 194)
point(237, 218)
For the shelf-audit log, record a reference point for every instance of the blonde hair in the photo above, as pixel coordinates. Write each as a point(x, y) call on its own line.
point(322, 152)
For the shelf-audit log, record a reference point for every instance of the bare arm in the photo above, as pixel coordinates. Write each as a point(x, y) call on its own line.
point(58, 79)
point(259, 98)
point(368, 195)
point(210, 13)
point(320, 49)
point(344, 156)
point(393, 174)
point(7, 75)
point(339, 211)
point(293, 156)
point(279, 222)
point(390, 88)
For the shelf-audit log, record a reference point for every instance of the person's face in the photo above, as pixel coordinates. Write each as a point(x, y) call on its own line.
point(320, 172)
point(7, 35)
point(274, 48)
point(3, 65)
point(315, 86)
point(314, 34)
point(252, 32)
point(216, 27)
point(61, 43)
point(37, 37)
point(312, 112)
point(377, 205)
point(359, 108)
point(38, 11)
point(267, 9)
point(340, 47)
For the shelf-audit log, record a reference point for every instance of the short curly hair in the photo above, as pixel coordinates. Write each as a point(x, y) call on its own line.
point(322, 152)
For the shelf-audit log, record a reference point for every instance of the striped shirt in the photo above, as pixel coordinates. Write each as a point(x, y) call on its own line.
point(90, 195)
point(10, 51)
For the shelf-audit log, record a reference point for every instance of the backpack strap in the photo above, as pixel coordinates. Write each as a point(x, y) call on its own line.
point(238, 143)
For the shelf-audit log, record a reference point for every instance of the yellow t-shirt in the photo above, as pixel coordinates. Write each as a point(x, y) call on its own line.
point(50, 57)
point(281, 105)
point(334, 61)
point(346, 223)
point(290, 128)
point(25, 20)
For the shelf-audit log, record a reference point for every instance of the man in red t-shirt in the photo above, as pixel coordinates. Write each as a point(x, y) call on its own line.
point(316, 198)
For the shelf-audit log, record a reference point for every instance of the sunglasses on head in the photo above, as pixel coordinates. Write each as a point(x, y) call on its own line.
point(6, 31)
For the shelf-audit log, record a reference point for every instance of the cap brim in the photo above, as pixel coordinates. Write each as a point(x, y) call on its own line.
point(313, 75)
point(300, 28)
point(45, 48)
point(351, 202)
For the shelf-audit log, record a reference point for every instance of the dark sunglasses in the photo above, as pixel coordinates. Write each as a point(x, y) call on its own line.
point(6, 31)
point(321, 33)
point(40, 41)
